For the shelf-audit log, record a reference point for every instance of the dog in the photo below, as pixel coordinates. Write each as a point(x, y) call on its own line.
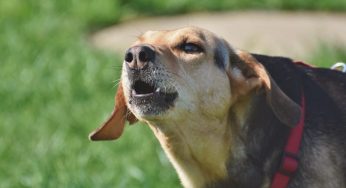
point(223, 116)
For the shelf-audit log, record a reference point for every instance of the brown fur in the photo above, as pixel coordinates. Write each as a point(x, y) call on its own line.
point(232, 115)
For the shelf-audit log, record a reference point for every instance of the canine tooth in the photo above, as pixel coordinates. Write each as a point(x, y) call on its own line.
point(158, 90)
point(134, 92)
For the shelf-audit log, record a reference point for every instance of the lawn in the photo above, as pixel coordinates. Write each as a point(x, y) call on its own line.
point(55, 89)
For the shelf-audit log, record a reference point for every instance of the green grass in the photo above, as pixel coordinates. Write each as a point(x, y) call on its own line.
point(55, 89)
point(153, 7)
point(327, 55)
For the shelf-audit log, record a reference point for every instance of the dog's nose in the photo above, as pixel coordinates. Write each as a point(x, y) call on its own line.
point(138, 57)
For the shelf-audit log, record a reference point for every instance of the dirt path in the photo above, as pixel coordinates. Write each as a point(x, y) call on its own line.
point(275, 33)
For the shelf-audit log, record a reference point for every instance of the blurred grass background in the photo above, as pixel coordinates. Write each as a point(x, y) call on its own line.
point(55, 89)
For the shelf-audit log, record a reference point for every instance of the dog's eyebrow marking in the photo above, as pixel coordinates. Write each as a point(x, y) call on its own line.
point(202, 37)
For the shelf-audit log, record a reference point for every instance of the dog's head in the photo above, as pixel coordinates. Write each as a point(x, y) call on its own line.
point(176, 74)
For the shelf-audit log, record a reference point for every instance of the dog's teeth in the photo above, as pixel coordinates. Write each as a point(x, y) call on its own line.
point(158, 90)
point(134, 92)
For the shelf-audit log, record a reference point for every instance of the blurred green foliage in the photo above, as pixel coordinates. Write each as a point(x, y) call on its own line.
point(326, 55)
point(154, 7)
point(55, 89)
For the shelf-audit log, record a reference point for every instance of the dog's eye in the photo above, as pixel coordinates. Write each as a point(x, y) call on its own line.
point(191, 48)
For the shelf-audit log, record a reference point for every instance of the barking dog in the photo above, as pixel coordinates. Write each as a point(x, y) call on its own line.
point(223, 116)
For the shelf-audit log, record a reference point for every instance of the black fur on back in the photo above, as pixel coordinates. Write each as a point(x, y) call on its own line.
point(265, 136)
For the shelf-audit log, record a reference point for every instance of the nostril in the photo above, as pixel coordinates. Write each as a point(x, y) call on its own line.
point(143, 56)
point(129, 57)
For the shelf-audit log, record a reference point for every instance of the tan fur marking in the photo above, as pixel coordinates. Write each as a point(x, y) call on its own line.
point(196, 133)
point(197, 141)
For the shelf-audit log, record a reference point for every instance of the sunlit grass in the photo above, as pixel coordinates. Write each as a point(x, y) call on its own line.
point(54, 90)
point(326, 55)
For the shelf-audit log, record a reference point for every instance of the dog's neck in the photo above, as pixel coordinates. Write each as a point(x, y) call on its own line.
point(199, 148)
point(199, 155)
point(206, 151)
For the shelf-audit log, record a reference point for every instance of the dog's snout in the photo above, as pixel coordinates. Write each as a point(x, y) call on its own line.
point(138, 57)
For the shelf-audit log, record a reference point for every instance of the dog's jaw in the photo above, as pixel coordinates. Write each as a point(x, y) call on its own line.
point(148, 95)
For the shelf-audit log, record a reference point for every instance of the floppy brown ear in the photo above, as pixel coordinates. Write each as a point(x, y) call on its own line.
point(247, 74)
point(114, 126)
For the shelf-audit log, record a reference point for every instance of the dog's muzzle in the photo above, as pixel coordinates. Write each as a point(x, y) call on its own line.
point(149, 91)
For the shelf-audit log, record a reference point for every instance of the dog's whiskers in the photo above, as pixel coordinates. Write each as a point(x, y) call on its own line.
point(116, 82)
point(117, 67)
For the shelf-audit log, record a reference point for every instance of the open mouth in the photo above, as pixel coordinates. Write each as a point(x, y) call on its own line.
point(150, 97)
point(143, 89)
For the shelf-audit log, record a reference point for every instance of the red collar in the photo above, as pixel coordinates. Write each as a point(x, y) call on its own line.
point(289, 161)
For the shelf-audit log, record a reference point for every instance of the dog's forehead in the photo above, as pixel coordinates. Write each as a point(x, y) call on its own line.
point(171, 36)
